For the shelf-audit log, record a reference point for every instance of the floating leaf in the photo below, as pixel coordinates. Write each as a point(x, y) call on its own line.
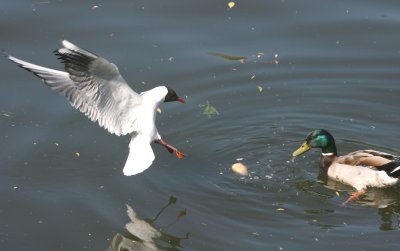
point(337, 193)
point(228, 57)
point(159, 110)
point(231, 4)
point(77, 154)
point(260, 88)
point(280, 209)
point(210, 110)
point(8, 114)
point(240, 169)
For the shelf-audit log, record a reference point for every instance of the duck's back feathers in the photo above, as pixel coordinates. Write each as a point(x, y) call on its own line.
point(369, 158)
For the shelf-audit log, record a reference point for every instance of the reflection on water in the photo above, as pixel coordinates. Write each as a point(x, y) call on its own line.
point(143, 234)
point(338, 69)
point(390, 217)
point(384, 199)
point(374, 197)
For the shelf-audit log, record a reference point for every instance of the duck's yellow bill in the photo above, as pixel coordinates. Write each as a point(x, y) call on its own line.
point(302, 149)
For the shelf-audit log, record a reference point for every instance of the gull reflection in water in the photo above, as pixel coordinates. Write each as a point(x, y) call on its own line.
point(144, 235)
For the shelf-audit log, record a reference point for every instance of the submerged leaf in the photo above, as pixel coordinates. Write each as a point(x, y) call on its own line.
point(228, 57)
point(182, 213)
point(172, 200)
point(210, 110)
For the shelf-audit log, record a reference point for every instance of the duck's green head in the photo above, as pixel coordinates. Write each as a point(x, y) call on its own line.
point(318, 139)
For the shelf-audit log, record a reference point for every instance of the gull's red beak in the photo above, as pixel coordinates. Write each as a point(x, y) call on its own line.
point(181, 100)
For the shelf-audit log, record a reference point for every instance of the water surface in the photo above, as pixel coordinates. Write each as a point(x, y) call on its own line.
point(332, 65)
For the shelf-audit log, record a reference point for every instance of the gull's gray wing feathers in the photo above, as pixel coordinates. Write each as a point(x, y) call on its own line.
point(94, 86)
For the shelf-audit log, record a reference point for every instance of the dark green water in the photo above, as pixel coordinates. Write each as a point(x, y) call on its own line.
point(337, 67)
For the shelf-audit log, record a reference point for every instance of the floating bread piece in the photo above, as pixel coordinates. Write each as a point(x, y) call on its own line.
point(240, 169)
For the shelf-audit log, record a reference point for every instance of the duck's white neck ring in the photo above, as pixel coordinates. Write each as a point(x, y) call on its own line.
point(327, 154)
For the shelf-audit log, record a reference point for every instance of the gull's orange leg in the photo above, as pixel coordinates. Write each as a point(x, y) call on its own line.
point(170, 148)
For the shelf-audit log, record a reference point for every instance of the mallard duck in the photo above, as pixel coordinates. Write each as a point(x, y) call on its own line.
point(359, 169)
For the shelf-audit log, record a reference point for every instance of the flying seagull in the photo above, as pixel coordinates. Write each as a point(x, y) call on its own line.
point(94, 86)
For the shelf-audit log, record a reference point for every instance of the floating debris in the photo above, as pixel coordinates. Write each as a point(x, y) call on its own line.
point(159, 110)
point(210, 110)
point(8, 114)
point(228, 57)
point(77, 154)
point(260, 88)
point(231, 5)
point(182, 213)
point(280, 209)
point(240, 169)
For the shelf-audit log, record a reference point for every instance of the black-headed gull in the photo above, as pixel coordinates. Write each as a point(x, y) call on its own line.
point(95, 87)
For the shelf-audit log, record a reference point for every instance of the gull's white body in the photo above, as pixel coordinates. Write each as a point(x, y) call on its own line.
point(95, 87)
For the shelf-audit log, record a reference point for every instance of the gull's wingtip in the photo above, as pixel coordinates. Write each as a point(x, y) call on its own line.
point(5, 53)
point(10, 57)
point(67, 44)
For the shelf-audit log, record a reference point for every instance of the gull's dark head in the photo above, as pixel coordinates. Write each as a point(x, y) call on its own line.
point(172, 96)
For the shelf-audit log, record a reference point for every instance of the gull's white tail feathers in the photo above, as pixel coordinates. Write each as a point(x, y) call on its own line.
point(140, 157)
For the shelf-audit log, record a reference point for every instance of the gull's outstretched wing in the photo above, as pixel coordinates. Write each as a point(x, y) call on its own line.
point(94, 86)
point(140, 157)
